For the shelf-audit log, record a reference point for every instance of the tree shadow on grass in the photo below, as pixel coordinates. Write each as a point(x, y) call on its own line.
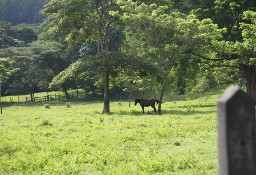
point(177, 110)
point(195, 106)
point(215, 91)
point(188, 112)
point(171, 111)
point(135, 112)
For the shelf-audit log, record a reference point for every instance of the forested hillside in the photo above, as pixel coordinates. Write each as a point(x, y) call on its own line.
point(21, 11)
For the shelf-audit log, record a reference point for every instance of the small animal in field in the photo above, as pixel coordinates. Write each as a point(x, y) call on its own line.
point(47, 106)
point(68, 104)
point(146, 103)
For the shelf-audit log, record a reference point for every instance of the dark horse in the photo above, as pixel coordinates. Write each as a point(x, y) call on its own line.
point(146, 103)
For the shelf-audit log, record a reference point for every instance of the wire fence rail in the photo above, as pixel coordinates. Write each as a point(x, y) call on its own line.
point(56, 96)
point(43, 97)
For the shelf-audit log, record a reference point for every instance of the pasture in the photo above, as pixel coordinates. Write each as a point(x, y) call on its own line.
point(82, 140)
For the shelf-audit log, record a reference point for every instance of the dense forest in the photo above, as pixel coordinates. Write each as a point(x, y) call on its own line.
point(126, 46)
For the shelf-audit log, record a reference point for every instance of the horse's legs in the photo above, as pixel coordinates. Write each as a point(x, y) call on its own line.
point(154, 108)
point(142, 109)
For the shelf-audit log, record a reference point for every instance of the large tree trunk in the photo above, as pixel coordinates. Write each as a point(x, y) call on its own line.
point(250, 78)
point(32, 96)
point(106, 94)
point(162, 94)
point(93, 90)
point(65, 91)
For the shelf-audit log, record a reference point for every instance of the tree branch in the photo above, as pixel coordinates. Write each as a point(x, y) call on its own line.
point(232, 57)
point(222, 65)
point(209, 59)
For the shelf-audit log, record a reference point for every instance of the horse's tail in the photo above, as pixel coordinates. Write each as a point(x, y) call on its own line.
point(156, 101)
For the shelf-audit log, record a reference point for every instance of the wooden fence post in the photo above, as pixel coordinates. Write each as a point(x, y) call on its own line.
point(236, 133)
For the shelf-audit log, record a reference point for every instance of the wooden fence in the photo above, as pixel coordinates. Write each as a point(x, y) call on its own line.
point(236, 133)
point(49, 97)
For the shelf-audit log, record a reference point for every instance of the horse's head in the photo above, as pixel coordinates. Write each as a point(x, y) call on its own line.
point(137, 101)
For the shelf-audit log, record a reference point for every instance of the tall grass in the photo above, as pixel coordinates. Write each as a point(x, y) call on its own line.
point(82, 140)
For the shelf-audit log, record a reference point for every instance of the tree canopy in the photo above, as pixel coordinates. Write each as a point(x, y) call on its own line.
point(163, 37)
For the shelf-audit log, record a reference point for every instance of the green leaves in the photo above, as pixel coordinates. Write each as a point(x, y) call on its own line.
point(36, 64)
point(82, 20)
point(165, 37)
point(95, 66)
point(245, 49)
point(5, 69)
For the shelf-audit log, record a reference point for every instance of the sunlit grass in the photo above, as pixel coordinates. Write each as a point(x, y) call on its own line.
point(82, 140)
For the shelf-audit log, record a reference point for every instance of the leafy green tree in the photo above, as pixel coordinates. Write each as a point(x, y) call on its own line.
point(53, 57)
point(30, 75)
point(25, 33)
point(246, 53)
point(87, 21)
point(91, 67)
point(164, 38)
point(6, 69)
point(150, 33)
point(37, 65)
point(183, 6)
point(18, 36)
point(5, 39)
point(233, 52)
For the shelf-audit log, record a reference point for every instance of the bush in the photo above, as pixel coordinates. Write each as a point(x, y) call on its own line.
point(203, 84)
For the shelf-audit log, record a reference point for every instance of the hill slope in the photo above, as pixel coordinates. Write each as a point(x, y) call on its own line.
point(21, 11)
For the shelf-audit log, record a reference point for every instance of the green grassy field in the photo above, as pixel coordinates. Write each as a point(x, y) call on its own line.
point(81, 140)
